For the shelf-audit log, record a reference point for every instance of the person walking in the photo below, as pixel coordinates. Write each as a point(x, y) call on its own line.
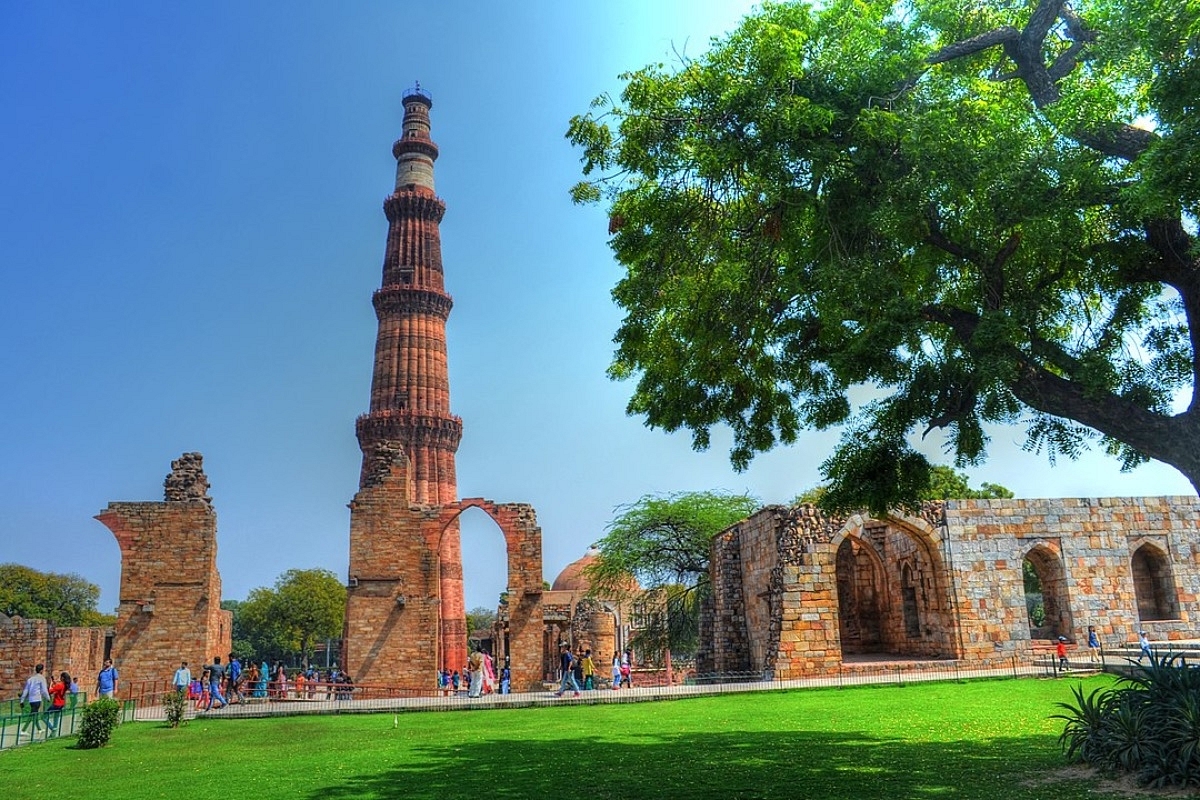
point(106, 680)
point(1060, 650)
point(616, 671)
point(567, 665)
point(589, 670)
point(35, 692)
point(182, 679)
point(216, 672)
point(1093, 644)
point(1144, 644)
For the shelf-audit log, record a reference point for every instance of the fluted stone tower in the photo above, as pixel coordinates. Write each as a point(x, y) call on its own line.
point(410, 387)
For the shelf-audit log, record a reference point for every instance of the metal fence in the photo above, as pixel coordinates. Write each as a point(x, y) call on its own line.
point(19, 726)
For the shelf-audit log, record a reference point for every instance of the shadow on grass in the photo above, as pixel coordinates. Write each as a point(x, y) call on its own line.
point(721, 765)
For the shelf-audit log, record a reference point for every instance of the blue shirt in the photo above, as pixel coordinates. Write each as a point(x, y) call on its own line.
point(106, 681)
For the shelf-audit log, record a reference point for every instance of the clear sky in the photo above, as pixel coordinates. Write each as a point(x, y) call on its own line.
point(191, 230)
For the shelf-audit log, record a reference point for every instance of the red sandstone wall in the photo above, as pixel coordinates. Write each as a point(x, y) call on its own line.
point(386, 641)
point(25, 643)
point(170, 600)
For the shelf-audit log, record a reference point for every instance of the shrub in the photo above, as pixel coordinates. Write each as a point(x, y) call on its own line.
point(1148, 726)
point(98, 720)
point(174, 706)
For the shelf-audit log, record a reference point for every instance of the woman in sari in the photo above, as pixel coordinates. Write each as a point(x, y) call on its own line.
point(489, 673)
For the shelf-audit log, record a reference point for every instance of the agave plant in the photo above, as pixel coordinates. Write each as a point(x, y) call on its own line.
point(1147, 726)
point(1082, 736)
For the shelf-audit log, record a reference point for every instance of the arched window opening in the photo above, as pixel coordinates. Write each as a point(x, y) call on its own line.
point(1154, 585)
point(908, 597)
point(1047, 606)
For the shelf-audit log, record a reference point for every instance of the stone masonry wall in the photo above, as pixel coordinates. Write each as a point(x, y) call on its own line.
point(393, 601)
point(392, 598)
point(1095, 539)
point(170, 597)
point(25, 643)
point(963, 563)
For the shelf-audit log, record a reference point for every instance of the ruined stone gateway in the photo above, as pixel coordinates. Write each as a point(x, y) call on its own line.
point(170, 599)
point(798, 593)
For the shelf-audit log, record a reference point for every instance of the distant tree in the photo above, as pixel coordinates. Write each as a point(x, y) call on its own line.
point(305, 606)
point(479, 620)
point(65, 600)
point(945, 483)
point(662, 543)
point(811, 497)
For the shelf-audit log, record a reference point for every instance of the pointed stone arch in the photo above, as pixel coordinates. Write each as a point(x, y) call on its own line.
point(861, 595)
point(1153, 583)
point(918, 616)
point(522, 626)
point(1045, 559)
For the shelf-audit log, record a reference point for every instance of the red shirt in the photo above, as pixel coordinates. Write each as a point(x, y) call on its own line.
point(1062, 653)
point(58, 694)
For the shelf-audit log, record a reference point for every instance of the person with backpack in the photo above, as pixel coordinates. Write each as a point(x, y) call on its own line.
point(106, 680)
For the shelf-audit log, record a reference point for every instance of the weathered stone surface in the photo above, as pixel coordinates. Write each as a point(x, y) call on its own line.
point(795, 591)
point(170, 597)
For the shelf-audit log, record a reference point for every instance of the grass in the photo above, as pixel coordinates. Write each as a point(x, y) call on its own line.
point(985, 740)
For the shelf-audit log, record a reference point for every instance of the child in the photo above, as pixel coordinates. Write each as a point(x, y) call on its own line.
point(1061, 651)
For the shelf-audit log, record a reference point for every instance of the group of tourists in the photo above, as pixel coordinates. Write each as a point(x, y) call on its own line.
point(578, 671)
point(220, 684)
point(47, 697)
point(478, 675)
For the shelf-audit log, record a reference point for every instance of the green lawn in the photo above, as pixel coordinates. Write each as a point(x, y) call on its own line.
point(989, 739)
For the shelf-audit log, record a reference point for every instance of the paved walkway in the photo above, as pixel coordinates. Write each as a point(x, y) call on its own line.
point(902, 673)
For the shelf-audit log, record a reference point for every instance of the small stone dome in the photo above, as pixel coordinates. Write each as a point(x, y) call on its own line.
point(572, 579)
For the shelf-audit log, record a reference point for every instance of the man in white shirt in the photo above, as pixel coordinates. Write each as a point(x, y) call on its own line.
point(34, 693)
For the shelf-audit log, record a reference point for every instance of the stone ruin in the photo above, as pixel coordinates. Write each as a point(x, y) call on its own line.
point(170, 597)
point(797, 593)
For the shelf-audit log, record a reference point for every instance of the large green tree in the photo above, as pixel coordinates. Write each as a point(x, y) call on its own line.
point(983, 211)
point(65, 600)
point(304, 607)
point(656, 552)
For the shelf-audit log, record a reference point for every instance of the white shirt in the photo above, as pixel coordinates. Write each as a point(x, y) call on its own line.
point(35, 690)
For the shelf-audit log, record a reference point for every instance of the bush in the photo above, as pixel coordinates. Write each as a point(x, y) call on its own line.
point(1147, 726)
point(174, 706)
point(99, 718)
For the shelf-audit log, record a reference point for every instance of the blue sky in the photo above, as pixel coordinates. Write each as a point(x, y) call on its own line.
point(191, 229)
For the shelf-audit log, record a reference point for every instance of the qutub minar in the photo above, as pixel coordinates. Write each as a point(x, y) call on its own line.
point(410, 386)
